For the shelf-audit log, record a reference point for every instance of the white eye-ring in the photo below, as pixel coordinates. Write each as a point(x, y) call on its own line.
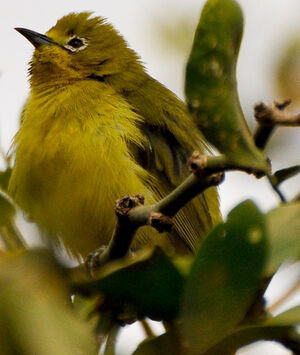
point(76, 44)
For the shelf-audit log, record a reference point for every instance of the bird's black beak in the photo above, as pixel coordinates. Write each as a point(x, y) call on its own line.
point(37, 39)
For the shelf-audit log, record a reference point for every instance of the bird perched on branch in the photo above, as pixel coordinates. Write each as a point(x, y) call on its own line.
point(95, 127)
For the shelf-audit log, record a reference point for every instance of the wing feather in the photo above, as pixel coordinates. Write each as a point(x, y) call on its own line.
point(171, 136)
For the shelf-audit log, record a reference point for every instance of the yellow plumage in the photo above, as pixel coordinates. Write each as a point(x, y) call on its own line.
point(95, 127)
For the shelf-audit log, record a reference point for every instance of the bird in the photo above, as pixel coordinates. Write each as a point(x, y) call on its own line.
point(96, 126)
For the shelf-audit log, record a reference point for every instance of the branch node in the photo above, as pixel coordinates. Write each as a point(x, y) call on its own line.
point(271, 115)
point(125, 204)
point(197, 163)
point(160, 222)
point(281, 105)
point(93, 260)
point(217, 178)
point(263, 114)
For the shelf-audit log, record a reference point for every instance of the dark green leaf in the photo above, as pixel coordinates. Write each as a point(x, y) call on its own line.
point(151, 285)
point(211, 88)
point(225, 278)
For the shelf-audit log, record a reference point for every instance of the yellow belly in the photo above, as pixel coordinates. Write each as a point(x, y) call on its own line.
point(73, 162)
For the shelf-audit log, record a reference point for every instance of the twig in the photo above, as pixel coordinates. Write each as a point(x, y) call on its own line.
point(111, 341)
point(274, 115)
point(282, 299)
point(276, 189)
point(282, 175)
point(147, 329)
point(206, 171)
point(267, 117)
point(105, 326)
point(132, 213)
point(262, 135)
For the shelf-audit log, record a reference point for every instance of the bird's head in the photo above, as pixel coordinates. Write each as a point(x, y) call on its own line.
point(79, 46)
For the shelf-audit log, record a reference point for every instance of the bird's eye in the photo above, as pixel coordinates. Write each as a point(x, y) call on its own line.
point(76, 44)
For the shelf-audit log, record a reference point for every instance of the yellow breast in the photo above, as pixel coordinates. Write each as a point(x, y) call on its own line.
point(73, 162)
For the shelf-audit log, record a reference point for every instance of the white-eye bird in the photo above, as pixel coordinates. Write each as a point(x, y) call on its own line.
point(96, 127)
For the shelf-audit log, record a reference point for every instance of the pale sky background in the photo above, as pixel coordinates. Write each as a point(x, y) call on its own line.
point(268, 24)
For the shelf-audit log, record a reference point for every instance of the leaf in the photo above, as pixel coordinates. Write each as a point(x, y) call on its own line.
point(162, 345)
point(283, 225)
point(211, 89)
point(225, 278)
point(280, 328)
point(35, 309)
point(151, 285)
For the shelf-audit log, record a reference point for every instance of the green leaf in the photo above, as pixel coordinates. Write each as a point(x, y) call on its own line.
point(164, 344)
point(36, 316)
point(211, 89)
point(225, 278)
point(280, 328)
point(151, 285)
point(283, 225)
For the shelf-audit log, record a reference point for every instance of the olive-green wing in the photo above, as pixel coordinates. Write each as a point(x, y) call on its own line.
point(171, 136)
point(166, 160)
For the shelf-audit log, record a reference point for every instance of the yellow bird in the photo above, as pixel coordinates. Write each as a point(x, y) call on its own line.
point(96, 127)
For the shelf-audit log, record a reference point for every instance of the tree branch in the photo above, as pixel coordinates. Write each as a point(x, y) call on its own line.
point(132, 213)
point(273, 115)
point(268, 117)
point(273, 307)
